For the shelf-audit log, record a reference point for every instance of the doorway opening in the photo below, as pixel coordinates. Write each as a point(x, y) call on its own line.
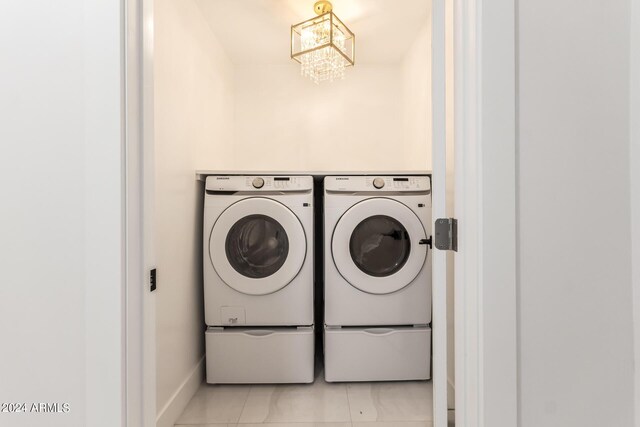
point(229, 100)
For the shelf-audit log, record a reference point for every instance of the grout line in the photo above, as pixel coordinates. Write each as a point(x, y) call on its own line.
point(244, 404)
point(346, 390)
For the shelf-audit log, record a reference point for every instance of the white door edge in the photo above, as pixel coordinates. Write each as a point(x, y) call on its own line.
point(438, 185)
point(635, 190)
point(485, 181)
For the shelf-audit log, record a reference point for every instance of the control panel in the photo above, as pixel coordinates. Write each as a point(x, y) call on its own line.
point(377, 183)
point(259, 183)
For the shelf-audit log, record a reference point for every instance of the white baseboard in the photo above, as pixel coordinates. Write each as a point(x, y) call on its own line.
point(175, 406)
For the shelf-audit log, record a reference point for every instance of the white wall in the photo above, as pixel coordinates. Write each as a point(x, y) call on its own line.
point(193, 128)
point(416, 97)
point(60, 216)
point(283, 121)
point(377, 118)
point(576, 338)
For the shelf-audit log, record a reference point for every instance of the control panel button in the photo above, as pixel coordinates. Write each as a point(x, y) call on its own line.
point(378, 182)
point(258, 182)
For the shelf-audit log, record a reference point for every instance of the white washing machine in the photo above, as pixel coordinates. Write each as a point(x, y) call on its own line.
point(377, 278)
point(258, 279)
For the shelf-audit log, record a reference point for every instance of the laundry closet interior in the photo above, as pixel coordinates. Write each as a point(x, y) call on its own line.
point(234, 114)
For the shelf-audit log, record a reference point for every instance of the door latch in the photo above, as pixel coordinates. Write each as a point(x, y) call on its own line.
point(152, 280)
point(446, 238)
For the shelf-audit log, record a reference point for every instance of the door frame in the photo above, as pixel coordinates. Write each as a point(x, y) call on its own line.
point(138, 157)
point(485, 182)
point(486, 320)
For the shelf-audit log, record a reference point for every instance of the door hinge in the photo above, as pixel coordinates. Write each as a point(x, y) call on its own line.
point(446, 234)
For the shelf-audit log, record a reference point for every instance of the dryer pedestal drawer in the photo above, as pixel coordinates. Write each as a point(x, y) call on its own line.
point(377, 354)
point(259, 355)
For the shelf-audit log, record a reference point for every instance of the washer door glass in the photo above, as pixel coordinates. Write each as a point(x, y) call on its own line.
point(381, 253)
point(380, 246)
point(257, 246)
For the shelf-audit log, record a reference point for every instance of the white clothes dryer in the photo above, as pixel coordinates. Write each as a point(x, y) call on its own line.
point(377, 277)
point(258, 278)
point(377, 254)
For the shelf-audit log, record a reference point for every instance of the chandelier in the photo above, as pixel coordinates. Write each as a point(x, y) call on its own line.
point(323, 45)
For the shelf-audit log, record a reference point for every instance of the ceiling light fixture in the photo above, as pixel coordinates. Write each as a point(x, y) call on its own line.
point(323, 45)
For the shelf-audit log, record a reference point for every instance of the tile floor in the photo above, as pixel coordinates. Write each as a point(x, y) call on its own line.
point(321, 404)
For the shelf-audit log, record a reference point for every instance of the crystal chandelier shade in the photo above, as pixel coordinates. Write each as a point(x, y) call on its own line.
point(323, 45)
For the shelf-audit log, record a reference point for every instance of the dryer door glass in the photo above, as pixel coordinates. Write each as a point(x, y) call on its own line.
point(380, 246)
point(257, 246)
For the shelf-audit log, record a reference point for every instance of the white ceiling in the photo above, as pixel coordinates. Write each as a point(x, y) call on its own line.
point(258, 31)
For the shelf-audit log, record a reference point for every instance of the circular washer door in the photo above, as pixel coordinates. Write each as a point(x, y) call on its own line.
point(257, 246)
point(376, 246)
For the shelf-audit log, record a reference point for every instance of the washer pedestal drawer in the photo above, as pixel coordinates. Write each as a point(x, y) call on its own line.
point(259, 355)
point(377, 354)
